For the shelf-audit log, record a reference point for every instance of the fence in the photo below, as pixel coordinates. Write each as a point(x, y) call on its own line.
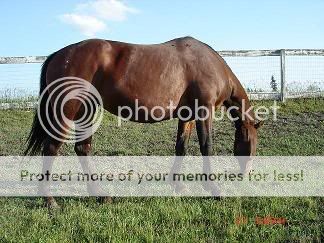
point(266, 74)
point(294, 63)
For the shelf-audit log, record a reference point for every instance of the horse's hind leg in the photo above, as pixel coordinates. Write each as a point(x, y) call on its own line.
point(83, 149)
point(50, 150)
point(58, 134)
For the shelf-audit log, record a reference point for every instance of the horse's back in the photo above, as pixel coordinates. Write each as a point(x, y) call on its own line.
point(176, 71)
point(168, 58)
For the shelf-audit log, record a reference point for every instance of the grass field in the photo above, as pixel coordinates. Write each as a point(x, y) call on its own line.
point(298, 131)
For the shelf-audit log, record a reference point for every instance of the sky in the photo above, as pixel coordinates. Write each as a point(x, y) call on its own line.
point(38, 27)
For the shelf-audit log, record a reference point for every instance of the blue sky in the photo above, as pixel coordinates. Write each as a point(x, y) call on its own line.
point(38, 27)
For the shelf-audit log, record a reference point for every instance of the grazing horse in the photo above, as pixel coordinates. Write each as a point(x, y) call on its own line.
point(182, 70)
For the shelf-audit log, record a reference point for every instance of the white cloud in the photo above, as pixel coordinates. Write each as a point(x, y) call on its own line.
point(113, 10)
point(91, 17)
point(88, 25)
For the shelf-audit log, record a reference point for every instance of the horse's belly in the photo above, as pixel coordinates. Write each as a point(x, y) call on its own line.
point(145, 110)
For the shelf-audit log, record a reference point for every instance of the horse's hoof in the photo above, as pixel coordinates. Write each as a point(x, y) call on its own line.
point(181, 189)
point(212, 188)
point(217, 198)
point(216, 193)
point(52, 205)
point(104, 200)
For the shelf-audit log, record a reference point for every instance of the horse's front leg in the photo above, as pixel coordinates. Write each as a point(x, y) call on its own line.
point(204, 132)
point(183, 135)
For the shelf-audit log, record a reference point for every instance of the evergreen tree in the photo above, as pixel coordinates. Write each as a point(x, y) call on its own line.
point(273, 84)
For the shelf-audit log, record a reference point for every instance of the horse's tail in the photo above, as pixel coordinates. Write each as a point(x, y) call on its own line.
point(38, 134)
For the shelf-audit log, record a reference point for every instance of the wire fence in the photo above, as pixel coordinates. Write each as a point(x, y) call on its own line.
point(266, 74)
point(255, 73)
point(305, 73)
point(19, 80)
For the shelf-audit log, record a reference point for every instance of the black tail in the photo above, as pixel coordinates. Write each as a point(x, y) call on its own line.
point(38, 135)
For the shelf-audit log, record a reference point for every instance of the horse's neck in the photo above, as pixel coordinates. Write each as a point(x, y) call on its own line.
point(240, 100)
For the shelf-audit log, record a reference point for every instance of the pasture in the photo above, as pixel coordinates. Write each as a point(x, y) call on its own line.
point(298, 131)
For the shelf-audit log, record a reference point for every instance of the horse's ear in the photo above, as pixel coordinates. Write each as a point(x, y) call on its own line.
point(258, 124)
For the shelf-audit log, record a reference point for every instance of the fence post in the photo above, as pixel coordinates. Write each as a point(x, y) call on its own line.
point(283, 75)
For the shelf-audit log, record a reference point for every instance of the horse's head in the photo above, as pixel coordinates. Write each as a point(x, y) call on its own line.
point(246, 139)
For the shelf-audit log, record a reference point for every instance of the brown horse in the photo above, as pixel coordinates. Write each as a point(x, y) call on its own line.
point(181, 70)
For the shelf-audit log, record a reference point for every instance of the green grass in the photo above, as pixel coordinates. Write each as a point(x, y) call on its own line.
point(298, 131)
